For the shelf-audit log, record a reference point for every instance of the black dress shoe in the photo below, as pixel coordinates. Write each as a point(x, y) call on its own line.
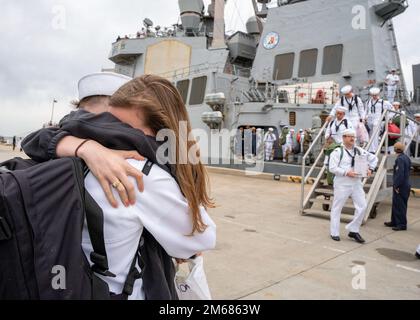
point(418, 255)
point(399, 228)
point(336, 238)
point(357, 237)
point(389, 224)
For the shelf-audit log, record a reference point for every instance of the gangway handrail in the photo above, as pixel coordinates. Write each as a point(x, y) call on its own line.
point(305, 177)
point(384, 141)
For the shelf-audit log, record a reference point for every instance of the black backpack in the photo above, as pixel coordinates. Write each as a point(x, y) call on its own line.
point(43, 208)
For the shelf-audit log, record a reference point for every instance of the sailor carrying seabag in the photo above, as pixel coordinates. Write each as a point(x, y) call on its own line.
point(353, 105)
point(375, 107)
point(349, 183)
point(334, 137)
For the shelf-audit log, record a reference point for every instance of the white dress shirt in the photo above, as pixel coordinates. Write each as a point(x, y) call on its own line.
point(340, 168)
point(356, 113)
point(392, 80)
point(162, 210)
point(336, 129)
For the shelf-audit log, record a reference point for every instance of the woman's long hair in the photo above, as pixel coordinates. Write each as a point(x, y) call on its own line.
point(163, 108)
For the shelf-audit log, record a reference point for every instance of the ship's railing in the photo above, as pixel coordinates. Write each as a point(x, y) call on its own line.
point(326, 93)
point(305, 177)
point(192, 70)
point(186, 72)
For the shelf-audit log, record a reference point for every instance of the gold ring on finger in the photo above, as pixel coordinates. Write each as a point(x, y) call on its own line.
point(116, 185)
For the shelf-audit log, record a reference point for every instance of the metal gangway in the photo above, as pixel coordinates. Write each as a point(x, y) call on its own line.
point(318, 201)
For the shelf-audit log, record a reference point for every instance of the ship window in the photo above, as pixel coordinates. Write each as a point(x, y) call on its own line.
point(307, 63)
point(198, 90)
point(292, 118)
point(283, 66)
point(333, 59)
point(183, 87)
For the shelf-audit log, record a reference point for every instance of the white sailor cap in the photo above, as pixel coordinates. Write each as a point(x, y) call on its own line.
point(349, 132)
point(396, 103)
point(292, 129)
point(375, 91)
point(341, 109)
point(271, 129)
point(346, 89)
point(101, 84)
point(417, 115)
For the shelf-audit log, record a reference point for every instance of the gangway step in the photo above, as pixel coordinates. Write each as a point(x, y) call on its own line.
point(348, 204)
point(326, 214)
point(330, 192)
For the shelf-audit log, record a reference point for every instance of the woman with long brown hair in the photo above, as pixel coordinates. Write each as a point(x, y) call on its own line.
point(172, 207)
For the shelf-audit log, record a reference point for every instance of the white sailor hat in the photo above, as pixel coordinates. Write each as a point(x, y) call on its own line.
point(375, 91)
point(396, 103)
point(341, 109)
point(417, 115)
point(346, 89)
point(271, 129)
point(101, 84)
point(349, 132)
point(292, 129)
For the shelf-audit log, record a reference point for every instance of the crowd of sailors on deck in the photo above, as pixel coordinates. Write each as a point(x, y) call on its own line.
point(147, 33)
point(350, 112)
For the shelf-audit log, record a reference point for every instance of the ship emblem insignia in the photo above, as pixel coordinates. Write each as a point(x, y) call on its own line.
point(271, 40)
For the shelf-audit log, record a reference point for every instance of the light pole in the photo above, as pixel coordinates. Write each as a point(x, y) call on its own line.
point(52, 113)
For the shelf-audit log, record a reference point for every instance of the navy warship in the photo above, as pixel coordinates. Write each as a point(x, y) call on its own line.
point(286, 70)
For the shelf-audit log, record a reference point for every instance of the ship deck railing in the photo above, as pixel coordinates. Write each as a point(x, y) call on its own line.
point(186, 72)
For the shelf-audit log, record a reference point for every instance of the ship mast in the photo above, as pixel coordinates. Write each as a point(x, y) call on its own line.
point(219, 24)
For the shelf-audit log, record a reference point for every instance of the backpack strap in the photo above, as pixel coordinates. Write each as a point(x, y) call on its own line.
point(134, 274)
point(95, 225)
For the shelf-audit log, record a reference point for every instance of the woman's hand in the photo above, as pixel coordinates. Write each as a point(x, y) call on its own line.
point(181, 261)
point(111, 168)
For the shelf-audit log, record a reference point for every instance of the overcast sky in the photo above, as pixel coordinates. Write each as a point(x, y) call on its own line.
point(42, 56)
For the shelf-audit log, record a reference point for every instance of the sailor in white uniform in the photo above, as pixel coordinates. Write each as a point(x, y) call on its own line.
point(260, 148)
point(162, 210)
point(269, 140)
point(348, 184)
point(355, 109)
point(288, 146)
point(375, 107)
point(392, 80)
point(396, 106)
point(414, 135)
point(337, 127)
